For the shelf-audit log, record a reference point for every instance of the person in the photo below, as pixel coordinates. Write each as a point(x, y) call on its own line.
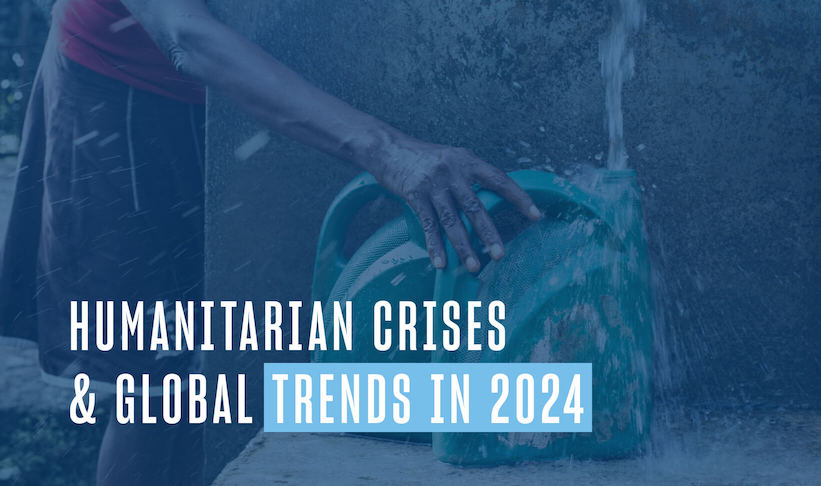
point(109, 202)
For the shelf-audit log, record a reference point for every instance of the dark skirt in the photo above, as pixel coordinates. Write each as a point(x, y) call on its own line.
point(108, 205)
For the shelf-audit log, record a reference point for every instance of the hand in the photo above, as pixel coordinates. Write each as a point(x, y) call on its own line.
point(437, 182)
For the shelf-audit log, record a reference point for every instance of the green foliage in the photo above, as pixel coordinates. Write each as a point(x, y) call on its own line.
point(46, 448)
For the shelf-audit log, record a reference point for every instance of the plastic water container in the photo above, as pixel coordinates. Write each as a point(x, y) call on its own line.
point(576, 286)
point(392, 264)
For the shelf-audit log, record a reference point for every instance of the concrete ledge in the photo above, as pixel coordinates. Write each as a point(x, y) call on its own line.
point(761, 449)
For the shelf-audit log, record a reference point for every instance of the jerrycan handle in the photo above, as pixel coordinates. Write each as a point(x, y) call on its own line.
point(330, 256)
point(552, 194)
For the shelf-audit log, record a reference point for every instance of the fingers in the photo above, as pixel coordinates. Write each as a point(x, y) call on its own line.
point(430, 225)
point(455, 230)
point(497, 181)
point(479, 219)
point(440, 189)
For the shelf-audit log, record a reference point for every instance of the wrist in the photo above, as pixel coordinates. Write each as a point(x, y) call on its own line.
point(375, 149)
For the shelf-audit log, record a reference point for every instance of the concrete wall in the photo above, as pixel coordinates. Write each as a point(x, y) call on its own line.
point(723, 122)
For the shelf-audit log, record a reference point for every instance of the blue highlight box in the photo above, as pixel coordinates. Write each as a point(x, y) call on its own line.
point(408, 397)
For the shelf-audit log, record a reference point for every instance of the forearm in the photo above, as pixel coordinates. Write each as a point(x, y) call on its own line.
point(208, 50)
point(281, 98)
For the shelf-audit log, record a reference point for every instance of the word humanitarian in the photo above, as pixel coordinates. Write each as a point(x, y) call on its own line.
point(187, 326)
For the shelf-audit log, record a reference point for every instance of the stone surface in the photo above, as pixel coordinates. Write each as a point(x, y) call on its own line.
point(23, 388)
point(717, 454)
point(722, 123)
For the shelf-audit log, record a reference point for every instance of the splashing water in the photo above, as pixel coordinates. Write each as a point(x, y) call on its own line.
point(617, 64)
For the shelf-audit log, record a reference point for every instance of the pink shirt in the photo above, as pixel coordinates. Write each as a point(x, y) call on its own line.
point(101, 35)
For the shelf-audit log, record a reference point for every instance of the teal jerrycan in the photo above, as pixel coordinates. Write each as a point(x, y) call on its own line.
point(392, 264)
point(576, 288)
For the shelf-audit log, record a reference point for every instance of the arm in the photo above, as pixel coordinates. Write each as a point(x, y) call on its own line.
point(435, 180)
